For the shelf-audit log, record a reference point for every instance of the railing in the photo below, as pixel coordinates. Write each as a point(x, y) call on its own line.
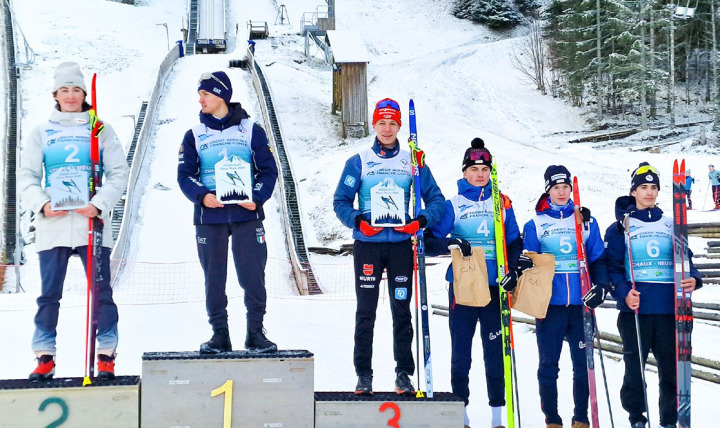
point(304, 277)
point(132, 203)
point(119, 210)
point(192, 27)
point(10, 250)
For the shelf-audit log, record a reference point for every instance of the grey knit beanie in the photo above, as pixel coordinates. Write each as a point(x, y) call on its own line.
point(69, 74)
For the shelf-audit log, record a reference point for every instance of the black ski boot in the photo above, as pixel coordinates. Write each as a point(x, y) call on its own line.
point(257, 342)
point(364, 385)
point(403, 384)
point(220, 342)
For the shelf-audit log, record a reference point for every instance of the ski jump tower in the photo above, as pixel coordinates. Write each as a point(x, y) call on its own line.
point(315, 25)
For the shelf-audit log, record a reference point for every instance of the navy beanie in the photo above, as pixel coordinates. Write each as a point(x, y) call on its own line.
point(217, 83)
point(556, 174)
point(477, 154)
point(644, 174)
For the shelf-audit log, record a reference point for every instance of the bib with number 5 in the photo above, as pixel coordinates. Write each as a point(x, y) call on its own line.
point(557, 237)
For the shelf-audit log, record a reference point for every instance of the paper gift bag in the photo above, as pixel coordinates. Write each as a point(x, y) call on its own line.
point(534, 289)
point(470, 278)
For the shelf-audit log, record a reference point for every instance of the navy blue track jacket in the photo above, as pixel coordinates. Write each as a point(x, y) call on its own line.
point(265, 171)
point(655, 298)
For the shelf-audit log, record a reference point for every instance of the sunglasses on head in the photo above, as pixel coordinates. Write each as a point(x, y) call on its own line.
point(476, 156)
point(208, 76)
point(644, 169)
point(387, 103)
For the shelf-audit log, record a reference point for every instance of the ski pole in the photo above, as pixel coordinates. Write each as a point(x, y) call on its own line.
point(637, 317)
point(707, 192)
point(602, 367)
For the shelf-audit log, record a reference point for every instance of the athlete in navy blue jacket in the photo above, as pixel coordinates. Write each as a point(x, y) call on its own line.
point(226, 130)
point(469, 221)
point(553, 231)
point(379, 248)
point(651, 234)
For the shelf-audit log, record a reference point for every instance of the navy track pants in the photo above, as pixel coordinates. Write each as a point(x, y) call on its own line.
point(249, 252)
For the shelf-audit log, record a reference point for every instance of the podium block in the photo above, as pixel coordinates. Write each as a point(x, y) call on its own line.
point(232, 389)
point(383, 409)
point(64, 402)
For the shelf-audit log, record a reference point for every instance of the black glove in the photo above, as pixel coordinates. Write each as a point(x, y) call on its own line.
point(463, 245)
point(524, 263)
point(595, 296)
point(585, 214)
point(509, 281)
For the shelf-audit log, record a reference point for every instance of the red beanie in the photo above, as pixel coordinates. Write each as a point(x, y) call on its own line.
point(387, 109)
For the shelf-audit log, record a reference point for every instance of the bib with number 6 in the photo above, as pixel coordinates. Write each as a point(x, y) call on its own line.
point(652, 251)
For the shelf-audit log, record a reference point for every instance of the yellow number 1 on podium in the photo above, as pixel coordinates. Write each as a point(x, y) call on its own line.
point(227, 389)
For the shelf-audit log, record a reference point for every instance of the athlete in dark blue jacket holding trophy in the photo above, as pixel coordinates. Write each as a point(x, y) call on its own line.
point(215, 156)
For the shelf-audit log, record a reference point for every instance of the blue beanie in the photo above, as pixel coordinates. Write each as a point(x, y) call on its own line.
point(556, 174)
point(216, 83)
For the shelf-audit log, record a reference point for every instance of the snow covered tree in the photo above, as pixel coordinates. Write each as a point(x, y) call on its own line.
point(494, 13)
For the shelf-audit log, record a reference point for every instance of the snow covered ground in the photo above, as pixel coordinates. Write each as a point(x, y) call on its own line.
point(463, 84)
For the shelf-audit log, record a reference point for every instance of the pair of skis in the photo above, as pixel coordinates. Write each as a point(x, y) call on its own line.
point(417, 157)
point(683, 299)
point(512, 396)
point(589, 321)
point(95, 231)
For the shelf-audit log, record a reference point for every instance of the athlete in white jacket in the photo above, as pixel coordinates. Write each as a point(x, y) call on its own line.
point(62, 145)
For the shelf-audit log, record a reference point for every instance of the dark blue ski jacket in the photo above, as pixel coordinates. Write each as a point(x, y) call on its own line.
point(655, 298)
point(436, 240)
point(264, 169)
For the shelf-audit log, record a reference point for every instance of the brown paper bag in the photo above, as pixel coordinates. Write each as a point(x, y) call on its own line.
point(534, 289)
point(470, 284)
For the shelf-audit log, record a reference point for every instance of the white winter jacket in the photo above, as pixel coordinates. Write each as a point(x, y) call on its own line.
point(70, 230)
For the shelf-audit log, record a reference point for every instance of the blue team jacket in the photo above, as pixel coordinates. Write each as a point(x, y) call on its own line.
point(654, 298)
point(349, 184)
point(265, 172)
point(566, 286)
point(436, 241)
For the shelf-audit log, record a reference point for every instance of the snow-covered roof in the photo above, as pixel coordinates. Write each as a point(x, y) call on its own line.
point(347, 46)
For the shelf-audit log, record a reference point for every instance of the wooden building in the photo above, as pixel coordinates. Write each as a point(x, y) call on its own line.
point(349, 60)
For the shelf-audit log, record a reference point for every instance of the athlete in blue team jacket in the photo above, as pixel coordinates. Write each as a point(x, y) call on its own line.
point(651, 234)
point(553, 231)
point(226, 130)
point(380, 248)
point(469, 221)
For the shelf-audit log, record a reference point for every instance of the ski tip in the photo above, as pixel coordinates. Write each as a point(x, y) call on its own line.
point(412, 103)
point(676, 172)
point(86, 381)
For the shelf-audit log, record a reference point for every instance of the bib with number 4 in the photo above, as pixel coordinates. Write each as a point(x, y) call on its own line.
point(233, 180)
point(474, 222)
point(387, 204)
